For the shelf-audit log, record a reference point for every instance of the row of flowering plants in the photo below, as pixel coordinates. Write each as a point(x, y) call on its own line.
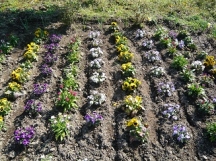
point(132, 104)
point(19, 76)
point(32, 107)
point(171, 42)
point(67, 95)
point(97, 77)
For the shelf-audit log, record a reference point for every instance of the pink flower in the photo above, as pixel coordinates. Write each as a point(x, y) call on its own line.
point(61, 86)
point(73, 92)
point(67, 99)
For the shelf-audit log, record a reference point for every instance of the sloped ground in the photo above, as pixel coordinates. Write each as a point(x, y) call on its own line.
point(110, 140)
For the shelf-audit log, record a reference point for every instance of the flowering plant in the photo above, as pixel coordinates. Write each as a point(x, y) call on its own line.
point(137, 131)
point(30, 55)
point(24, 136)
point(70, 81)
point(13, 90)
point(96, 52)
point(130, 84)
point(132, 104)
point(98, 77)
point(157, 71)
point(152, 56)
point(160, 33)
point(93, 119)
point(140, 33)
point(55, 38)
point(96, 63)
point(211, 130)
point(60, 126)
point(67, 99)
point(45, 70)
point(96, 42)
point(205, 104)
point(179, 62)
point(165, 42)
point(40, 35)
point(50, 58)
point(187, 75)
point(122, 48)
point(166, 88)
point(181, 44)
point(33, 107)
point(209, 61)
point(20, 75)
point(125, 56)
point(195, 90)
point(114, 26)
point(197, 66)
point(180, 133)
point(171, 111)
point(33, 47)
point(148, 44)
point(120, 39)
point(5, 106)
point(94, 34)
point(96, 98)
point(51, 47)
point(39, 89)
point(128, 69)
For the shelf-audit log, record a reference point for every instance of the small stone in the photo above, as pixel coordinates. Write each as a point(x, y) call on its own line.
point(205, 157)
point(12, 154)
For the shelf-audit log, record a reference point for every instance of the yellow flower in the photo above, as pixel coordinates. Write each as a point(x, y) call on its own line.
point(133, 122)
point(124, 66)
point(125, 85)
point(3, 101)
point(14, 86)
point(114, 24)
point(1, 118)
point(132, 86)
point(138, 99)
point(46, 33)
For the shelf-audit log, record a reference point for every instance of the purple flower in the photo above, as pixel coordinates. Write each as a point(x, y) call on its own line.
point(23, 136)
point(173, 34)
point(179, 131)
point(40, 88)
point(55, 38)
point(50, 58)
point(51, 47)
point(45, 69)
point(93, 119)
point(32, 106)
point(181, 44)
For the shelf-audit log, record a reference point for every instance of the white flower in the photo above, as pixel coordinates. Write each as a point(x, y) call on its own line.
point(52, 117)
point(94, 34)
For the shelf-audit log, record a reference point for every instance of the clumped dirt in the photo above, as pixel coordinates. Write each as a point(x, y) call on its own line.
point(110, 140)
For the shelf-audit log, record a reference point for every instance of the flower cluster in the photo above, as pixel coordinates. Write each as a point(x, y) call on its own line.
point(171, 111)
point(67, 99)
point(5, 106)
point(120, 39)
point(96, 98)
point(96, 42)
point(13, 89)
point(128, 69)
point(206, 105)
point(50, 58)
point(187, 75)
point(198, 66)
point(137, 130)
point(20, 75)
point(166, 88)
point(96, 63)
point(140, 33)
point(40, 35)
point(96, 52)
point(195, 90)
point(180, 133)
point(125, 56)
point(39, 89)
point(152, 56)
point(31, 53)
point(209, 61)
point(122, 48)
point(94, 34)
point(32, 106)
point(132, 104)
point(54, 38)
point(93, 119)
point(60, 126)
point(46, 70)
point(98, 77)
point(148, 44)
point(24, 136)
point(114, 26)
point(1, 122)
point(157, 71)
point(130, 84)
